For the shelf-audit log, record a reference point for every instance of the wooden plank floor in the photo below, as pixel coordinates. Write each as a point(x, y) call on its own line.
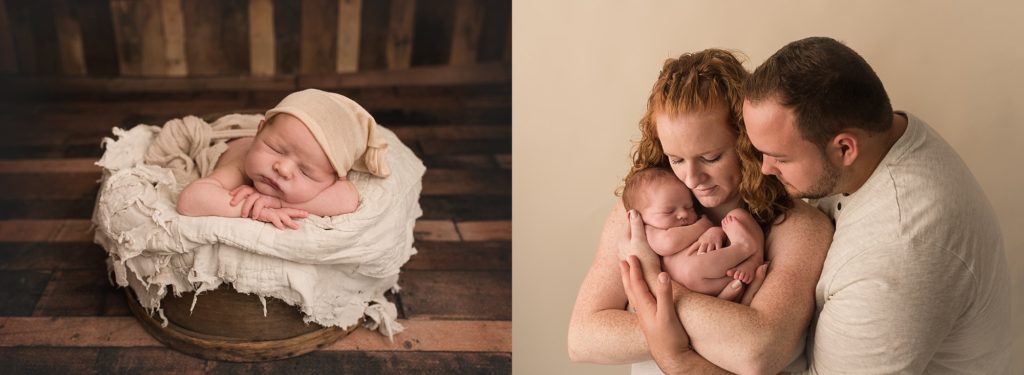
point(60, 314)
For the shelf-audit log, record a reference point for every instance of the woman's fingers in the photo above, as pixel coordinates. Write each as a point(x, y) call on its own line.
point(629, 224)
point(636, 227)
point(641, 293)
point(626, 284)
point(732, 291)
point(663, 296)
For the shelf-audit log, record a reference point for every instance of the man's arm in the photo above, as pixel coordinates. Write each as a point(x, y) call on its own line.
point(340, 198)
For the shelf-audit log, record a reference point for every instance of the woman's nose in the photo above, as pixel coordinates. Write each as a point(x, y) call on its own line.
point(693, 174)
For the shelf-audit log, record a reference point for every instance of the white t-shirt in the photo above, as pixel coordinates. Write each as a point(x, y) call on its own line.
point(915, 280)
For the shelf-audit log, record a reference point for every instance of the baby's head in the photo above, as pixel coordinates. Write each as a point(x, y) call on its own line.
point(661, 199)
point(310, 140)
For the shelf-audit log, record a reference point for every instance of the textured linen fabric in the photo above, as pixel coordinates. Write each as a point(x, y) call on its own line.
point(915, 280)
point(335, 269)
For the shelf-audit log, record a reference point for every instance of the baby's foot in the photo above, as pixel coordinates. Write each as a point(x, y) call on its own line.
point(742, 230)
point(741, 273)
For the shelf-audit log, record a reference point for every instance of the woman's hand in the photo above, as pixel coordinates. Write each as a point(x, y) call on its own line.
point(666, 337)
point(635, 244)
point(635, 241)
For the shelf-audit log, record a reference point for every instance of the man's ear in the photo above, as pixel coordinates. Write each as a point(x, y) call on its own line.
point(845, 148)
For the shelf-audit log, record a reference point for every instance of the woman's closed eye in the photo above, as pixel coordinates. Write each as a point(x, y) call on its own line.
point(710, 159)
point(703, 159)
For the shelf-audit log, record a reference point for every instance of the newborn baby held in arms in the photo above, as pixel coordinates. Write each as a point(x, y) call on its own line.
point(295, 165)
point(695, 253)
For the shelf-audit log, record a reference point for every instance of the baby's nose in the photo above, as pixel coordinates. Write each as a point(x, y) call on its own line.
point(282, 169)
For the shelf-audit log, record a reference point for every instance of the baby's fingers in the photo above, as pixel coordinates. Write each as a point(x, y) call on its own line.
point(276, 221)
point(247, 206)
point(288, 222)
point(294, 213)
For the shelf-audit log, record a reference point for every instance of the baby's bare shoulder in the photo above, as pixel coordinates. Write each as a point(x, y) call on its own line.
point(230, 170)
point(237, 148)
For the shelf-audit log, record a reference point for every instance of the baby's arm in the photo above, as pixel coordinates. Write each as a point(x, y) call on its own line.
point(669, 241)
point(208, 196)
point(340, 198)
point(211, 195)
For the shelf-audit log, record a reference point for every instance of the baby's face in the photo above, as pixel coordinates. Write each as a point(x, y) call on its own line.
point(667, 205)
point(286, 162)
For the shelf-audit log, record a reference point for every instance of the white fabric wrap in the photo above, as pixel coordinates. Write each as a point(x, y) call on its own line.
point(335, 269)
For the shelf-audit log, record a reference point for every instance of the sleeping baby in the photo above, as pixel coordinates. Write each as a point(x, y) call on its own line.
point(295, 165)
point(691, 247)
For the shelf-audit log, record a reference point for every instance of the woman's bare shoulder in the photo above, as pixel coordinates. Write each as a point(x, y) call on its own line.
point(804, 217)
point(804, 227)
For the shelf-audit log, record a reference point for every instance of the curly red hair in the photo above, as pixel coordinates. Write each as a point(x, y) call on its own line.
point(702, 81)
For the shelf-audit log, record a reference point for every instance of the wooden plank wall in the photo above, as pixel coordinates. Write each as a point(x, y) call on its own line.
point(247, 38)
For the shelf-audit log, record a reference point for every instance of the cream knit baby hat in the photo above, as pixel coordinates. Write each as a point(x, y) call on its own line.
point(345, 131)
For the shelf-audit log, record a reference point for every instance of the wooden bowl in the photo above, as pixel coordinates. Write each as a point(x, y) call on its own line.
point(229, 326)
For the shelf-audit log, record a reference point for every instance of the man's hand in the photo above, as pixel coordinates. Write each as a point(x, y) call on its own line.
point(281, 217)
point(666, 338)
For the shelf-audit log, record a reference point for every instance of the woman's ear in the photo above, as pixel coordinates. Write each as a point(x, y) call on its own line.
point(845, 148)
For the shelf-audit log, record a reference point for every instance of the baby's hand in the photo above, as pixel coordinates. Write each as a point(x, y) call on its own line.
point(281, 217)
point(711, 240)
point(254, 202)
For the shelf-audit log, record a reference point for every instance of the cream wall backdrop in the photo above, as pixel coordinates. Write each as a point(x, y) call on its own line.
point(582, 71)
